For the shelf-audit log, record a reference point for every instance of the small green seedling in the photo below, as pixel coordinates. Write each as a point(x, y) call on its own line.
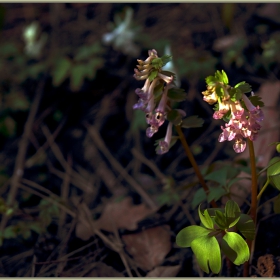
point(218, 233)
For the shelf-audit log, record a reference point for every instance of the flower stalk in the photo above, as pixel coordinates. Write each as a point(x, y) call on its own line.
point(254, 190)
point(254, 198)
point(193, 162)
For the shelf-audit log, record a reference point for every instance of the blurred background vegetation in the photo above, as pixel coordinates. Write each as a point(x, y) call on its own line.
point(71, 145)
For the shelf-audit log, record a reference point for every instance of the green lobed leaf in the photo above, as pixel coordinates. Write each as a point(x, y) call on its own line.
point(225, 77)
point(198, 197)
point(177, 94)
point(211, 80)
point(219, 91)
point(157, 63)
point(158, 91)
point(220, 219)
point(235, 248)
point(219, 176)
point(165, 59)
point(205, 219)
point(186, 235)
point(235, 94)
point(232, 92)
point(232, 172)
point(243, 87)
point(192, 121)
point(219, 76)
point(61, 71)
point(232, 212)
point(85, 52)
point(207, 252)
point(222, 175)
point(256, 100)
point(216, 107)
point(216, 193)
point(212, 211)
point(174, 116)
point(246, 226)
point(238, 95)
point(153, 75)
point(77, 75)
point(273, 172)
point(239, 84)
point(227, 116)
point(10, 232)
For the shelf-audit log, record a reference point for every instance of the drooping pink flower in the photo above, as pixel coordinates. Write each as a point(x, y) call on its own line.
point(163, 146)
point(151, 130)
point(243, 124)
point(223, 109)
point(236, 109)
point(239, 144)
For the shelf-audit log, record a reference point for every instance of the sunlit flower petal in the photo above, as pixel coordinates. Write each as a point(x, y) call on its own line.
point(239, 145)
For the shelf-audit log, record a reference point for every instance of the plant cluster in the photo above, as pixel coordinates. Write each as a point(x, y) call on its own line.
point(156, 97)
point(222, 229)
point(242, 114)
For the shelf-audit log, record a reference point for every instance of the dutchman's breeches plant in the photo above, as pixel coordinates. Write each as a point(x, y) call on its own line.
point(222, 231)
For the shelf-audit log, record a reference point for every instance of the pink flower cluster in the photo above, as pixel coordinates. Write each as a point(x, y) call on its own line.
point(155, 116)
point(243, 123)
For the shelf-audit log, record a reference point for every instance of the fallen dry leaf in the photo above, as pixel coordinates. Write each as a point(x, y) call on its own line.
point(148, 247)
point(83, 230)
point(83, 227)
point(122, 214)
point(103, 270)
point(164, 271)
point(99, 269)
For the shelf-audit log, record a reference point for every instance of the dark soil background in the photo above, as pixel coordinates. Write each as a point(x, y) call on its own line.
point(82, 191)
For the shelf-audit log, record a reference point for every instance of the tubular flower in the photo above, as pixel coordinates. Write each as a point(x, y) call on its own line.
point(155, 116)
point(241, 121)
point(157, 119)
point(163, 146)
point(243, 124)
point(143, 96)
point(223, 109)
point(210, 95)
point(156, 97)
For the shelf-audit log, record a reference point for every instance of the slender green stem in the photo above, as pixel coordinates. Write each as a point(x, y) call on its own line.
point(193, 162)
point(263, 189)
point(254, 190)
point(264, 169)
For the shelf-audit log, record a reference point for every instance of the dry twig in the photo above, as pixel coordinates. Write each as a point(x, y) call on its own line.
point(101, 145)
point(23, 144)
